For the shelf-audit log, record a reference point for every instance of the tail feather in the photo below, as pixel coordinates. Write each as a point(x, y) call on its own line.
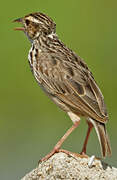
point(103, 137)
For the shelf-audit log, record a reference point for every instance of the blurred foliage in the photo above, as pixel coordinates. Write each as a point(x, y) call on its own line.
point(30, 124)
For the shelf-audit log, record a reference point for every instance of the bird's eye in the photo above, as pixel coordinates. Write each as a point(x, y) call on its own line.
point(27, 22)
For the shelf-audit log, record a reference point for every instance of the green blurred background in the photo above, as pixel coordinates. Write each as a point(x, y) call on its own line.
point(30, 124)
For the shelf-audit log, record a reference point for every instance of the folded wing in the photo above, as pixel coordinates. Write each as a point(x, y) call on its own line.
point(72, 83)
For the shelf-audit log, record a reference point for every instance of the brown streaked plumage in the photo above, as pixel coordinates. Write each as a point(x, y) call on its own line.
point(65, 78)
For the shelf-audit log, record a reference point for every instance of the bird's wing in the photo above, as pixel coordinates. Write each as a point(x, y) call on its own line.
point(73, 84)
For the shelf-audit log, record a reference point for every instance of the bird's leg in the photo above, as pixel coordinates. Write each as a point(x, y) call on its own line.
point(60, 142)
point(90, 126)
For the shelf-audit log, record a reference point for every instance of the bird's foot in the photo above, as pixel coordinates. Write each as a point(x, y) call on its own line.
point(69, 153)
point(55, 150)
point(49, 155)
point(83, 155)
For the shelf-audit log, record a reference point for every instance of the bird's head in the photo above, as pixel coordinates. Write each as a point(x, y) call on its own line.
point(36, 24)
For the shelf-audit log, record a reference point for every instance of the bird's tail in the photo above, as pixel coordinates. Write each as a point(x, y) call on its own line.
point(103, 138)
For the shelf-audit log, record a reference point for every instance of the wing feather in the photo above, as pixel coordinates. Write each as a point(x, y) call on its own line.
point(73, 84)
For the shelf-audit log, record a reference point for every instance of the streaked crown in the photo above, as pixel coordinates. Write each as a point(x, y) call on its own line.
point(36, 24)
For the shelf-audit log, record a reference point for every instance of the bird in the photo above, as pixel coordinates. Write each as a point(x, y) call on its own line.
point(66, 79)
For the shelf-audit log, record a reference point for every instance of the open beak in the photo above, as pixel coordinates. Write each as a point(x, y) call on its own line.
point(19, 20)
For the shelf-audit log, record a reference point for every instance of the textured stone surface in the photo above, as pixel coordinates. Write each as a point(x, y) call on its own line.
point(62, 166)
